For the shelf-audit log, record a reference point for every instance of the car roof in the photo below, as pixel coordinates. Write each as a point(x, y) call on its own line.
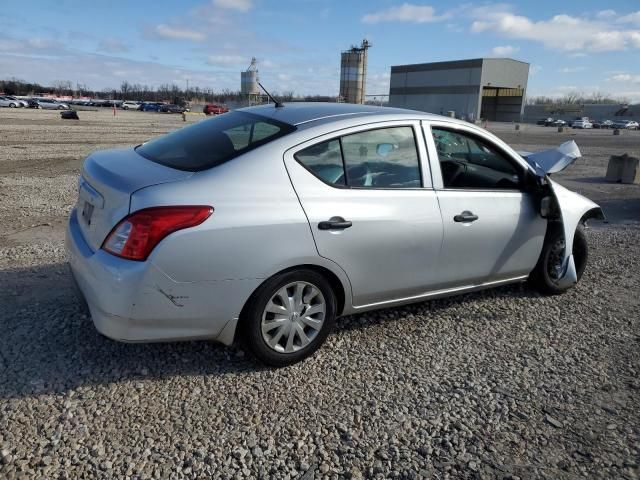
point(297, 113)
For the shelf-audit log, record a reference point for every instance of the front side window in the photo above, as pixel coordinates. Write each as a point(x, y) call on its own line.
point(212, 142)
point(380, 158)
point(468, 162)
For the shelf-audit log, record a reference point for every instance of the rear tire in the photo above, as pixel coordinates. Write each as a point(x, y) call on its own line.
point(542, 277)
point(12, 105)
point(276, 324)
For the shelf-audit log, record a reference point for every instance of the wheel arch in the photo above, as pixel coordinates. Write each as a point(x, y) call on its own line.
point(595, 212)
point(336, 284)
point(229, 333)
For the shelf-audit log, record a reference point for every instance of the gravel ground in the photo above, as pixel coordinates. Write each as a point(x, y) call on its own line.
point(498, 384)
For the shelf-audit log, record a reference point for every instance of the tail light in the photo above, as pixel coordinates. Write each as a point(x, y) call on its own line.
point(137, 234)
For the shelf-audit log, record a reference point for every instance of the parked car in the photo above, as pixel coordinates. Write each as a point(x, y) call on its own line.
point(552, 122)
point(9, 102)
point(172, 109)
point(130, 105)
point(21, 102)
point(625, 124)
point(32, 103)
point(582, 123)
point(49, 104)
point(543, 121)
point(602, 124)
point(214, 109)
point(265, 224)
point(151, 106)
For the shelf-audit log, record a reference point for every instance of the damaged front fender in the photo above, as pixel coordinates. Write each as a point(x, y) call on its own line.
point(572, 208)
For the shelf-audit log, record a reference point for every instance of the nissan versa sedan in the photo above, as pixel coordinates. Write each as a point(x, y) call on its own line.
point(265, 224)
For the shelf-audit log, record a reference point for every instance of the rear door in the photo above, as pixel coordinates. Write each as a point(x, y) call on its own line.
point(492, 228)
point(368, 197)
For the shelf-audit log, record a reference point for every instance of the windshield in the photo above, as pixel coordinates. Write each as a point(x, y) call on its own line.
point(212, 142)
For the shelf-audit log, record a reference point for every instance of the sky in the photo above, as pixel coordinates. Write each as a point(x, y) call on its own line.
point(572, 45)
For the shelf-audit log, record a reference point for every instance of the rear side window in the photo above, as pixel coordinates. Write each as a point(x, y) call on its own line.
point(324, 160)
point(380, 158)
point(212, 142)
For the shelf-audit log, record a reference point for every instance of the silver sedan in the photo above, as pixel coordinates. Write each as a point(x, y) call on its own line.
point(267, 223)
point(10, 101)
point(49, 104)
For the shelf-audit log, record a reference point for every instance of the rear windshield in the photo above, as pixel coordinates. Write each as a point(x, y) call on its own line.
point(212, 142)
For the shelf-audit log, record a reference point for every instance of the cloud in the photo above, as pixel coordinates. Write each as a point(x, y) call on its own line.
point(178, 33)
point(504, 51)
point(31, 46)
point(238, 5)
point(561, 32)
point(407, 12)
point(534, 69)
point(631, 18)
point(39, 43)
point(625, 78)
point(99, 71)
point(113, 45)
point(606, 14)
point(228, 60)
point(571, 69)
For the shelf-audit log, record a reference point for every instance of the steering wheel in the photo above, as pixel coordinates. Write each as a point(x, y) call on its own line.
point(452, 170)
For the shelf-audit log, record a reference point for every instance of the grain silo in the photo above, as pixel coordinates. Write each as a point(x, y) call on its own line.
point(249, 80)
point(353, 73)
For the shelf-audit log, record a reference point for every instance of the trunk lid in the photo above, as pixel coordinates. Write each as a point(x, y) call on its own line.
point(108, 180)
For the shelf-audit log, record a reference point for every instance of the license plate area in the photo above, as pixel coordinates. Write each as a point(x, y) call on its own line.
point(87, 212)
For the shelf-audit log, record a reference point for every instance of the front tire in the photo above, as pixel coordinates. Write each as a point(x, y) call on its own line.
point(544, 276)
point(288, 317)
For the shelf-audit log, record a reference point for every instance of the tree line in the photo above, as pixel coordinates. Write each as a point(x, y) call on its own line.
point(169, 92)
point(578, 98)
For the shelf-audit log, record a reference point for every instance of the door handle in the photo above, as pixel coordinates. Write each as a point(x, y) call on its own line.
point(334, 223)
point(465, 217)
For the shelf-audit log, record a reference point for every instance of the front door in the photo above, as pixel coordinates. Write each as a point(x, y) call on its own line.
point(492, 229)
point(368, 197)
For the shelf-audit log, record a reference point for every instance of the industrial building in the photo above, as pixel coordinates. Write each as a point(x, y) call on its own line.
point(353, 73)
point(482, 88)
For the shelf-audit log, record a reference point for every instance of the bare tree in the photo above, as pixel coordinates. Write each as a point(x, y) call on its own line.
point(62, 87)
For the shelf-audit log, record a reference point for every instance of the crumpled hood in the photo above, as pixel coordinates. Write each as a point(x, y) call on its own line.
point(553, 160)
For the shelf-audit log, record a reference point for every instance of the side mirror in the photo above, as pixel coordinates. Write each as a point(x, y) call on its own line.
point(384, 149)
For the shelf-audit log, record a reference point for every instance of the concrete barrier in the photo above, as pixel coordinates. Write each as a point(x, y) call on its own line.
point(623, 168)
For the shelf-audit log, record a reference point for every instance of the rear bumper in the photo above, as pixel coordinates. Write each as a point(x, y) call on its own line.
point(137, 302)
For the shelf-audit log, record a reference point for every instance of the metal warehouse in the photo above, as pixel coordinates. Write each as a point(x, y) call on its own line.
point(482, 88)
